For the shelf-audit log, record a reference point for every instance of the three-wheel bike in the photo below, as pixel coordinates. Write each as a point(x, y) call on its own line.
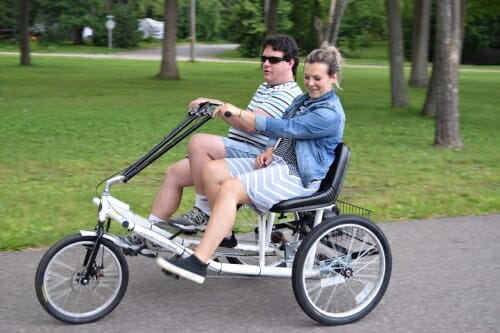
point(340, 265)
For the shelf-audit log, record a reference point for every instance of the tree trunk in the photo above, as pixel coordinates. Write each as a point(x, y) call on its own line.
point(168, 68)
point(430, 107)
point(272, 17)
point(24, 37)
point(329, 24)
point(340, 7)
point(449, 45)
point(419, 76)
point(398, 86)
point(192, 22)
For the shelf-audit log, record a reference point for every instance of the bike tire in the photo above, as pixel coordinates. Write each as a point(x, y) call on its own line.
point(341, 270)
point(58, 280)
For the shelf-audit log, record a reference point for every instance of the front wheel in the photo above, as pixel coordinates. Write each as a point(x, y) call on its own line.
point(72, 294)
point(341, 270)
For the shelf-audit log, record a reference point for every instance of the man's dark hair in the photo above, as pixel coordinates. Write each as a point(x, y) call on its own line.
point(285, 44)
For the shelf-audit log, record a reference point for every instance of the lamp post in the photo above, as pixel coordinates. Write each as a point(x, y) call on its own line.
point(110, 25)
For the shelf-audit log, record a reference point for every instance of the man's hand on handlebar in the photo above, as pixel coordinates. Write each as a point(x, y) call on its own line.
point(201, 100)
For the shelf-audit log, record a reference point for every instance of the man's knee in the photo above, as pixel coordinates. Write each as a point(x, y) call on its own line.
point(180, 173)
point(210, 145)
point(198, 141)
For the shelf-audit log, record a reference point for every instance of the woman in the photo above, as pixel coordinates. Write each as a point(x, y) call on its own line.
point(292, 166)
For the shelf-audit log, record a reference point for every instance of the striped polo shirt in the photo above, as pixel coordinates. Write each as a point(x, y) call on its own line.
point(272, 99)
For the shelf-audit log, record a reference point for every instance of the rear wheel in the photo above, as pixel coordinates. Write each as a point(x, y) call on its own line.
point(341, 270)
point(68, 292)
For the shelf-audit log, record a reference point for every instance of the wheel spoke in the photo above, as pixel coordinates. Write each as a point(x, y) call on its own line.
point(74, 297)
point(343, 270)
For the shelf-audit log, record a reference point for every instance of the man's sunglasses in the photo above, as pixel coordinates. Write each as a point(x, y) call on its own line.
point(272, 60)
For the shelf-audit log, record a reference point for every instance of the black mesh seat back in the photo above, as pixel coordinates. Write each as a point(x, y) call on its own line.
point(329, 189)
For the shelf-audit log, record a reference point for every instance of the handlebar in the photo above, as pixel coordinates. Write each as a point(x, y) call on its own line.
point(203, 108)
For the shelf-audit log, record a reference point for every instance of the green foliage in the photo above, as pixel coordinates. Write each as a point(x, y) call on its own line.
point(245, 26)
point(482, 26)
point(208, 20)
point(62, 20)
point(125, 33)
point(8, 14)
point(149, 8)
point(363, 23)
point(302, 15)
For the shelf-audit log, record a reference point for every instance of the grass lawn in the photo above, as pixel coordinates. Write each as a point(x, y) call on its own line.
point(67, 124)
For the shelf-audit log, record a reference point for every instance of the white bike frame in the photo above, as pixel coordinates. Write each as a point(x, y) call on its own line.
point(119, 211)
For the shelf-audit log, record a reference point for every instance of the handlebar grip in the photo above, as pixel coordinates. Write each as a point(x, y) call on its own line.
point(228, 114)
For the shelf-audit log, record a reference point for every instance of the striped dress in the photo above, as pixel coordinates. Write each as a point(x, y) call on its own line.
point(276, 182)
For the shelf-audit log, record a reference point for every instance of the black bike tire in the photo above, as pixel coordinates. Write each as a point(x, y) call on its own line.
point(299, 288)
point(61, 246)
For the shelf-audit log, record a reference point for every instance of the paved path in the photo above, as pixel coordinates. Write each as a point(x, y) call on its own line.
point(446, 278)
point(202, 52)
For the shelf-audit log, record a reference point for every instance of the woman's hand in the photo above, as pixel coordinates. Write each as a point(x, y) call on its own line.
point(264, 159)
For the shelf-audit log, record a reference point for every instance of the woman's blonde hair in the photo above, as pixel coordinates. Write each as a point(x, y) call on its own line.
point(330, 56)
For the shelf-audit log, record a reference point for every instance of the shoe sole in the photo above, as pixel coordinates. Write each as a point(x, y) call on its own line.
point(180, 271)
point(188, 229)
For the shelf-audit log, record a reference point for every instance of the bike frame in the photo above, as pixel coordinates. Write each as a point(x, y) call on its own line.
point(114, 209)
point(111, 208)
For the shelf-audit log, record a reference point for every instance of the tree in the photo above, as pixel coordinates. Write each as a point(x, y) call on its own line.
point(419, 76)
point(245, 26)
point(398, 87)
point(329, 35)
point(271, 16)
point(449, 32)
point(24, 38)
point(168, 69)
point(303, 15)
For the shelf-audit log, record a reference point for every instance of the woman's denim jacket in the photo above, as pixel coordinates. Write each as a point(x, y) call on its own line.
point(316, 132)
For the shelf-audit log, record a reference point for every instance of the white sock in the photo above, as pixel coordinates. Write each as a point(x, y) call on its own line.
point(201, 202)
point(155, 219)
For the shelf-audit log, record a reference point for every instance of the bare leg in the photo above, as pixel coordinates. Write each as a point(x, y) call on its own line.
point(213, 175)
point(168, 198)
point(232, 192)
point(203, 148)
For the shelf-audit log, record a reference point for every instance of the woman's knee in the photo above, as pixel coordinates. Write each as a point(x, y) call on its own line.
point(234, 189)
point(212, 171)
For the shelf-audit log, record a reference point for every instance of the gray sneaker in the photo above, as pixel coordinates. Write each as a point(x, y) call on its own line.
point(132, 239)
point(192, 221)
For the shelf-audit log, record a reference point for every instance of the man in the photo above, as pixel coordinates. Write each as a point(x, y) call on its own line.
point(279, 65)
